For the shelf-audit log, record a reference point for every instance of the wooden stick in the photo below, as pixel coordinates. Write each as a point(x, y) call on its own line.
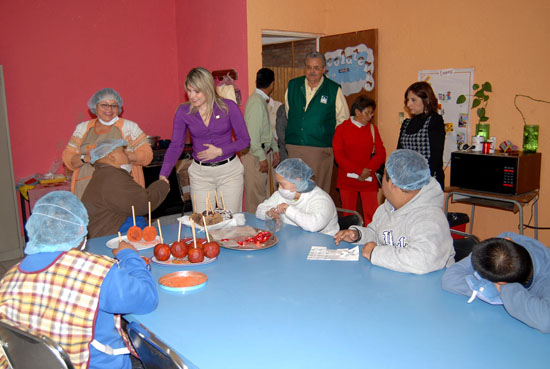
point(160, 231)
point(179, 232)
point(205, 228)
point(149, 203)
point(119, 237)
point(217, 201)
point(223, 202)
point(206, 202)
point(194, 202)
point(134, 215)
point(193, 229)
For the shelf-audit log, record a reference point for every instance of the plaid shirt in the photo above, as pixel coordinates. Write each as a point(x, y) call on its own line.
point(60, 301)
point(419, 141)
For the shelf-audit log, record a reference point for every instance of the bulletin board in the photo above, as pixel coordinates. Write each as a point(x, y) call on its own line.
point(448, 84)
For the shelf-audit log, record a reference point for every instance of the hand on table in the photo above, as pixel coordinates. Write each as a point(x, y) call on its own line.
point(123, 245)
point(210, 153)
point(367, 249)
point(348, 235)
point(272, 213)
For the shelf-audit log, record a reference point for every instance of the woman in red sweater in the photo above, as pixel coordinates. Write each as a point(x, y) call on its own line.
point(353, 145)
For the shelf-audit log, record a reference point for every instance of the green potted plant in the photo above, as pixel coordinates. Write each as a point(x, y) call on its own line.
point(481, 98)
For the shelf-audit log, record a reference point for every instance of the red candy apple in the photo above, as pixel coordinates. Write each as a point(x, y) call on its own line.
point(195, 255)
point(162, 252)
point(179, 249)
point(211, 249)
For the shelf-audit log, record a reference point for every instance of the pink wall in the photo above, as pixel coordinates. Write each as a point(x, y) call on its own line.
point(56, 54)
point(212, 34)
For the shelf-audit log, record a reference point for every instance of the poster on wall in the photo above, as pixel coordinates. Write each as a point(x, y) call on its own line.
point(352, 62)
point(448, 84)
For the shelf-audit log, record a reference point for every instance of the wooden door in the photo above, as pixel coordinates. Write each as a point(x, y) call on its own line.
point(352, 61)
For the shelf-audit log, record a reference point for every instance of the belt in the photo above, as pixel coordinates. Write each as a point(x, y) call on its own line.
point(216, 164)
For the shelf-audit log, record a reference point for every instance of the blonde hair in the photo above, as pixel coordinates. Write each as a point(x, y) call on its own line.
point(201, 80)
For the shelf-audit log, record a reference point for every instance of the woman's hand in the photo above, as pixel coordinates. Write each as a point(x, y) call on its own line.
point(132, 156)
point(163, 178)
point(210, 153)
point(366, 173)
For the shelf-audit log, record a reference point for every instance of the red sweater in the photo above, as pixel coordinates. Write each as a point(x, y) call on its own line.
point(352, 150)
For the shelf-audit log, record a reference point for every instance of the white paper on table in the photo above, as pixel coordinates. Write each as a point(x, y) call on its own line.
point(355, 176)
point(324, 253)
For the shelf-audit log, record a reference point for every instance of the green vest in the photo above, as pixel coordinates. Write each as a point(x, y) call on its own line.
point(314, 126)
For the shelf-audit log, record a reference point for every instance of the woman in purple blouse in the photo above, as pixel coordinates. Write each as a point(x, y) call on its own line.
point(211, 122)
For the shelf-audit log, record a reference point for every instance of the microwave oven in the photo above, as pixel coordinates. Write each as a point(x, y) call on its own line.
point(497, 173)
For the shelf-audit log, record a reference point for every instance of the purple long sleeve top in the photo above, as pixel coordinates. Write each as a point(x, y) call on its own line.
point(218, 133)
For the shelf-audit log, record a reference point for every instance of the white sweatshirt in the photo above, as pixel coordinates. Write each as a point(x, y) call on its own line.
point(415, 238)
point(314, 211)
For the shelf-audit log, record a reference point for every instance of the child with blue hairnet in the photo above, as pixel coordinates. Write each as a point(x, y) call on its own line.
point(73, 296)
point(409, 232)
point(510, 270)
point(299, 201)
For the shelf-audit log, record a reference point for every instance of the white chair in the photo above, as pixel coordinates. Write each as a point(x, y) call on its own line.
point(25, 350)
point(153, 353)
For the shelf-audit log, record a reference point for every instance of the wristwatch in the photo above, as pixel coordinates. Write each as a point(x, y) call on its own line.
point(82, 158)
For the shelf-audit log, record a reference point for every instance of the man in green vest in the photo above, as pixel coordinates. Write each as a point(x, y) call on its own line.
point(315, 105)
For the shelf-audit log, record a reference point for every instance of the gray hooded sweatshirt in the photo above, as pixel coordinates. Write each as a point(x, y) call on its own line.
point(415, 238)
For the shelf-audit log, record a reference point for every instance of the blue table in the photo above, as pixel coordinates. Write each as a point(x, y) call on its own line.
point(274, 309)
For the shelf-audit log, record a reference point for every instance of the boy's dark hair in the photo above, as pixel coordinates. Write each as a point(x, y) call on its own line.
point(264, 77)
point(501, 260)
point(361, 103)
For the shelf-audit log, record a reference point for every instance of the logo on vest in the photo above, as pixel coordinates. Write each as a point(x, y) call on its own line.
point(388, 240)
point(324, 99)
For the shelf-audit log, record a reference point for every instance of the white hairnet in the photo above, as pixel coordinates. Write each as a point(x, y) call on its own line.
point(105, 147)
point(103, 94)
point(408, 169)
point(297, 172)
point(58, 222)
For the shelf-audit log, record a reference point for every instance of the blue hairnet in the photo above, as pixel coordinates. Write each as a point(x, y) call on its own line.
point(408, 169)
point(58, 222)
point(297, 172)
point(105, 147)
point(103, 94)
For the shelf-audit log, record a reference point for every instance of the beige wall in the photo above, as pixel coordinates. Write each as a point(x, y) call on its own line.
point(505, 41)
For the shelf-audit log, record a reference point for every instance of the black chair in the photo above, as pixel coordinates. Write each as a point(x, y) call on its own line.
point(346, 221)
point(153, 353)
point(463, 246)
point(25, 350)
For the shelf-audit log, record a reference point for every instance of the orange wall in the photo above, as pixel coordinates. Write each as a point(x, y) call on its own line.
point(506, 43)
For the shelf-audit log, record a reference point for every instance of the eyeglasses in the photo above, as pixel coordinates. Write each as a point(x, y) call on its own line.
point(107, 106)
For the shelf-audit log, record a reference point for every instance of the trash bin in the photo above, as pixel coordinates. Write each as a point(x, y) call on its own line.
point(458, 221)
